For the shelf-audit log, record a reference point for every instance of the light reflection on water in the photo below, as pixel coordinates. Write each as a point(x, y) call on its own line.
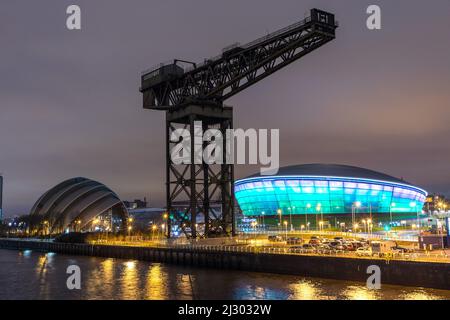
point(36, 275)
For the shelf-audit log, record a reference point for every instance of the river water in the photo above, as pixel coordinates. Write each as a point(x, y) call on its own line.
point(37, 275)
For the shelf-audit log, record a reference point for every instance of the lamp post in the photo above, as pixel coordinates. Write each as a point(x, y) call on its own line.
point(364, 224)
point(285, 227)
point(279, 214)
point(355, 205)
point(153, 232)
point(308, 206)
point(263, 224)
point(369, 226)
point(390, 211)
point(166, 220)
point(321, 226)
point(290, 216)
point(319, 209)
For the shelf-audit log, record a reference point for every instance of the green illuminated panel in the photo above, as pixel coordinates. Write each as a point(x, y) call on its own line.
point(326, 195)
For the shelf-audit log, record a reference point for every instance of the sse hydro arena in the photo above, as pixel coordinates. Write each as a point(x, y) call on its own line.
point(331, 193)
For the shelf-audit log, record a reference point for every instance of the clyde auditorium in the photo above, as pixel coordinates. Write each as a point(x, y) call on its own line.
point(329, 190)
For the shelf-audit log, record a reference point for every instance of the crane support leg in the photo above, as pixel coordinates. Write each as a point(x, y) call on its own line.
point(200, 196)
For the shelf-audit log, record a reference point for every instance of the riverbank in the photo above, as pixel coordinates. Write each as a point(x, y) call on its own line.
point(397, 272)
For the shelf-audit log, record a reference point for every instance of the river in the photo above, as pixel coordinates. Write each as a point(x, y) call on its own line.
point(37, 275)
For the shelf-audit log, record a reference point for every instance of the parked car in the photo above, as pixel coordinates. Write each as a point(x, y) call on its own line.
point(398, 249)
point(294, 240)
point(315, 242)
point(340, 248)
point(275, 238)
point(364, 252)
point(335, 243)
point(338, 238)
point(296, 249)
point(324, 249)
point(308, 248)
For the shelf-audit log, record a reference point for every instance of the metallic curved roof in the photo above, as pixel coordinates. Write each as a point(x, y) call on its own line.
point(75, 199)
point(333, 170)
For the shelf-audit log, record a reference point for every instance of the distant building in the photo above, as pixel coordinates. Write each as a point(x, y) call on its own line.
point(78, 204)
point(436, 203)
point(136, 204)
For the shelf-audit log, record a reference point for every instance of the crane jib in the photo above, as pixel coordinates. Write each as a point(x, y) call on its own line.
point(237, 67)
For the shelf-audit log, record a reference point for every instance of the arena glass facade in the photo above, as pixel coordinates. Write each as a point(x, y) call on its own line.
point(327, 195)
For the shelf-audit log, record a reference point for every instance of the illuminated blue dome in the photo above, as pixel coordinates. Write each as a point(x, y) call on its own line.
point(327, 189)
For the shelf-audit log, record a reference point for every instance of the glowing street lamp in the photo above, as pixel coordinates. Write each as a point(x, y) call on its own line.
point(279, 212)
point(390, 210)
point(285, 226)
point(308, 206)
point(413, 205)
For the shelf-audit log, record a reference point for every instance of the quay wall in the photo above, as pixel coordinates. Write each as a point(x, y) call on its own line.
point(398, 272)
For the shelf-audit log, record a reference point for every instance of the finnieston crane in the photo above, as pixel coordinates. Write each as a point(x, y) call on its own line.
point(190, 92)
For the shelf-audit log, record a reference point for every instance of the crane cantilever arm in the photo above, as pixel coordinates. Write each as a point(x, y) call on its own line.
point(238, 67)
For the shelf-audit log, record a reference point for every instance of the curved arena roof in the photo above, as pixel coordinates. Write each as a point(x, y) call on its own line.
point(334, 170)
point(327, 188)
point(77, 199)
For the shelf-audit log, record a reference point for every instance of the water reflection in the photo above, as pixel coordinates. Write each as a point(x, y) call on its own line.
point(360, 293)
point(129, 280)
point(156, 288)
point(305, 290)
point(34, 275)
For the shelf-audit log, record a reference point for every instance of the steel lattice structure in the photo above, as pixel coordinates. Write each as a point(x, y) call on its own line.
point(198, 93)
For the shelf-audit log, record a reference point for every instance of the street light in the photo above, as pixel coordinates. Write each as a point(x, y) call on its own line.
point(321, 226)
point(364, 223)
point(308, 206)
point(319, 209)
point(369, 226)
point(355, 227)
point(290, 216)
point(285, 226)
point(279, 213)
point(355, 205)
point(153, 231)
point(264, 225)
point(413, 205)
point(390, 210)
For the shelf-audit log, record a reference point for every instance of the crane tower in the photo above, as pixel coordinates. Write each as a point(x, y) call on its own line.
point(190, 92)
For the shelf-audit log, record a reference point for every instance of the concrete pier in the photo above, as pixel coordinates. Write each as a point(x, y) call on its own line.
point(408, 273)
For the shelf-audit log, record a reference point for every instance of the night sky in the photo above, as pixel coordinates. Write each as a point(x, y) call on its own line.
point(70, 104)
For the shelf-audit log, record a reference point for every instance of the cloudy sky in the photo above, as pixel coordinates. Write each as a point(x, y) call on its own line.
point(70, 106)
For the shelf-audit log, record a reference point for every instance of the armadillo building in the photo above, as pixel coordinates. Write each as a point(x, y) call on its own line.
point(329, 190)
point(78, 204)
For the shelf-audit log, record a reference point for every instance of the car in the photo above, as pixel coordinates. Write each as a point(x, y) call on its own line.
point(398, 249)
point(315, 242)
point(338, 238)
point(324, 249)
point(296, 249)
point(308, 248)
point(294, 240)
point(364, 252)
point(335, 243)
point(275, 238)
point(340, 248)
